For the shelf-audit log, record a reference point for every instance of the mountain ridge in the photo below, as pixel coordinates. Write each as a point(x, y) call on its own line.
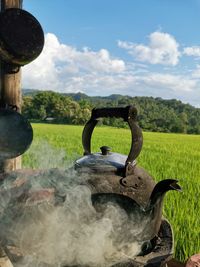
point(79, 95)
point(154, 114)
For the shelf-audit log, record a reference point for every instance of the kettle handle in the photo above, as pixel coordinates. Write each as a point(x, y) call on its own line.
point(129, 115)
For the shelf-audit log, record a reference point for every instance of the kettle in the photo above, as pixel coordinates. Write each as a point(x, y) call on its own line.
point(114, 177)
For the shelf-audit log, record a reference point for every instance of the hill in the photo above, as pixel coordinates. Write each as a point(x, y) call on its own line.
point(154, 114)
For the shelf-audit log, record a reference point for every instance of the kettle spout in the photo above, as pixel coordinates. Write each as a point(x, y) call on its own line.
point(161, 188)
point(174, 186)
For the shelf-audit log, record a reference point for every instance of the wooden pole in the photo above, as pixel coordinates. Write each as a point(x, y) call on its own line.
point(10, 90)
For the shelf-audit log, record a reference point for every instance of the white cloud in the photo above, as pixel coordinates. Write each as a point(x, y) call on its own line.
point(60, 66)
point(192, 51)
point(196, 72)
point(162, 49)
point(169, 82)
point(64, 68)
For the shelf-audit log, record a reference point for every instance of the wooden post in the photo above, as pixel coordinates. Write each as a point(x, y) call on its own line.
point(10, 90)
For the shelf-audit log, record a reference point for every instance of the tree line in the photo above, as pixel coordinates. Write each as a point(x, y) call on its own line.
point(154, 114)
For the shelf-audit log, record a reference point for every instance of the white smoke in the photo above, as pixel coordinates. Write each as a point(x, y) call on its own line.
point(62, 231)
point(42, 155)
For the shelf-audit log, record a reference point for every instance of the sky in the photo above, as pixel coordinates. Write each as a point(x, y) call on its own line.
point(128, 47)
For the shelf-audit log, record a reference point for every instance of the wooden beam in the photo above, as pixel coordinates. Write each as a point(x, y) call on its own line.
point(11, 3)
point(10, 90)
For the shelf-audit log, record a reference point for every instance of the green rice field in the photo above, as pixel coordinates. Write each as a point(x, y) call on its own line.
point(163, 156)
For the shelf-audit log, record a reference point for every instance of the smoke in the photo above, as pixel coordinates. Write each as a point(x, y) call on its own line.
point(51, 219)
point(42, 155)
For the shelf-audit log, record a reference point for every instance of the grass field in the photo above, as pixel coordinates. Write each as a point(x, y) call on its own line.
point(163, 156)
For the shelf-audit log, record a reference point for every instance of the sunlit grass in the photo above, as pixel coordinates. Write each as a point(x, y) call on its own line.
point(163, 156)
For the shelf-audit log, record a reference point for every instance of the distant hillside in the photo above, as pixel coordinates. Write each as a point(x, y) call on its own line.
point(154, 114)
point(78, 96)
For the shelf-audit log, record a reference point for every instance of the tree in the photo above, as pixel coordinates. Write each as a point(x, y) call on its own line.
point(154, 114)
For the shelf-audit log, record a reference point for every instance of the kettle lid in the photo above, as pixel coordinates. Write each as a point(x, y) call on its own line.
point(101, 162)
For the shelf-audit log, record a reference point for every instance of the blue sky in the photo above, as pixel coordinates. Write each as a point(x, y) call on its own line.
point(128, 47)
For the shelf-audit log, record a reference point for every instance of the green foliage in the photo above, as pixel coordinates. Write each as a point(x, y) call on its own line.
point(55, 107)
point(154, 114)
point(163, 156)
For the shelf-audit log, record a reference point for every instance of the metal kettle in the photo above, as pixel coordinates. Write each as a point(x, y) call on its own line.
point(111, 174)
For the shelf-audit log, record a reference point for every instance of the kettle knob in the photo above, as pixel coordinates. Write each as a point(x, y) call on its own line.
point(105, 150)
